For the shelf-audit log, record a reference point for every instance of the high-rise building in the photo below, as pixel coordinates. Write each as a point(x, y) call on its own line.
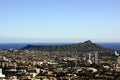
point(89, 59)
point(96, 58)
point(89, 56)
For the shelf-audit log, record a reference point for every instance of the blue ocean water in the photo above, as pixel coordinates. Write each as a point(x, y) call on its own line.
point(115, 46)
point(12, 45)
point(21, 45)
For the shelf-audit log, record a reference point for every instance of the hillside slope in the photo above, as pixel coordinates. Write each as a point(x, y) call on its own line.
point(80, 47)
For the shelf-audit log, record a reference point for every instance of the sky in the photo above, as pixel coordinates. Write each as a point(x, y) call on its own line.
point(50, 21)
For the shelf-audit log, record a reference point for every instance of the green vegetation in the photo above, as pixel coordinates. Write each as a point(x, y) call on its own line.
point(80, 47)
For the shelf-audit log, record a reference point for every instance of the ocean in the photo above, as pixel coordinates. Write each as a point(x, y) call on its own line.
point(115, 46)
point(21, 45)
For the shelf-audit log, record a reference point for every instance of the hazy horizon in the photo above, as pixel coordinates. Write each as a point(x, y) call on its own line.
point(58, 21)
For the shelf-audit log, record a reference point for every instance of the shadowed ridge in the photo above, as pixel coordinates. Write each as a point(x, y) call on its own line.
point(88, 42)
point(79, 47)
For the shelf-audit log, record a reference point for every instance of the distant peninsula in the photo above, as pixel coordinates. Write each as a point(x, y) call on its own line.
point(78, 47)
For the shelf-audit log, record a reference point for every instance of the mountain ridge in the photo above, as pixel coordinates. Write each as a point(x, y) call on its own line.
point(79, 47)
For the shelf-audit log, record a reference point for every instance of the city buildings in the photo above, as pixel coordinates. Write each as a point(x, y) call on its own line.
point(43, 65)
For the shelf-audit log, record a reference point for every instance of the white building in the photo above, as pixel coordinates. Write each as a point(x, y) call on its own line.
point(89, 56)
point(96, 58)
point(2, 76)
point(116, 53)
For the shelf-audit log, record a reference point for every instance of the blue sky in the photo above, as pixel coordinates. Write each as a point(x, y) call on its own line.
point(47, 21)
